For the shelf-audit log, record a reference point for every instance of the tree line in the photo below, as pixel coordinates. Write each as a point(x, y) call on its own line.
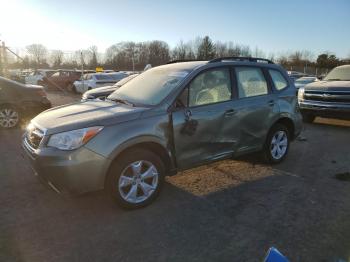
point(135, 55)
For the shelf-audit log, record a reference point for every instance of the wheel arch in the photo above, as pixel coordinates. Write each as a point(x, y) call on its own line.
point(153, 146)
point(288, 123)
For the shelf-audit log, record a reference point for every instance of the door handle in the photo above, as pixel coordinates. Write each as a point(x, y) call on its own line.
point(271, 102)
point(230, 112)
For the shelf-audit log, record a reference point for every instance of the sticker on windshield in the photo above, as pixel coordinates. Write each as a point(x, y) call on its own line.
point(179, 74)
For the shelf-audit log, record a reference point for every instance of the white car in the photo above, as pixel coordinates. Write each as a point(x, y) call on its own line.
point(91, 81)
point(36, 76)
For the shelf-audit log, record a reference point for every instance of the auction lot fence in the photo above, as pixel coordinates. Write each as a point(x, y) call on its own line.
point(317, 71)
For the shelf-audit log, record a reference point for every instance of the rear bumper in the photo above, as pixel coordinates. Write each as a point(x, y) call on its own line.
point(326, 109)
point(76, 172)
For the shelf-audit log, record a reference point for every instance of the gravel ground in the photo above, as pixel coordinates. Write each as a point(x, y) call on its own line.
point(231, 210)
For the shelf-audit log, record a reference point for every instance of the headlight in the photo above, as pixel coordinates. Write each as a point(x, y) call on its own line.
point(73, 139)
point(301, 92)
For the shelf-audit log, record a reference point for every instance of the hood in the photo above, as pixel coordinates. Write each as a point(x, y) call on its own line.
point(85, 114)
point(328, 86)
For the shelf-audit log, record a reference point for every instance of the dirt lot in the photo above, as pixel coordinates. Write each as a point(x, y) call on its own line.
point(226, 211)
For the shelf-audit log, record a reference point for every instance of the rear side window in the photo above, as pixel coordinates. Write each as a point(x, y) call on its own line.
point(278, 80)
point(251, 82)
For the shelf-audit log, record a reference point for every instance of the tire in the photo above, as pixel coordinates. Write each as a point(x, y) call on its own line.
point(127, 182)
point(308, 118)
point(277, 144)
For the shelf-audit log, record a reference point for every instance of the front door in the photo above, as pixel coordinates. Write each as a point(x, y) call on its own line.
point(204, 122)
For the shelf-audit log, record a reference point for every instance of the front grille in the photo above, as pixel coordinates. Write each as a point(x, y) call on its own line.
point(34, 137)
point(328, 96)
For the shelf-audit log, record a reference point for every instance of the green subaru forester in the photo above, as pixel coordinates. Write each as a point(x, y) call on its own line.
point(169, 118)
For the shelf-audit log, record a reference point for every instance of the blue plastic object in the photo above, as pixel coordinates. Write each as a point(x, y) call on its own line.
point(273, 255)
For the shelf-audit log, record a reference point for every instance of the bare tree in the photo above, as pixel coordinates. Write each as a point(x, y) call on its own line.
point(93, 56)
point(158, 52)
point(221, 49)
point(38, 53)
point(57, 58)
point(258, 52)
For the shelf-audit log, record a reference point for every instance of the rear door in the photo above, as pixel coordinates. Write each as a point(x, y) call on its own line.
point(204, 121)
point(257, 107)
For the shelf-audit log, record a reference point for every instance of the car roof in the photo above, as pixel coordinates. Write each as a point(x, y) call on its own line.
point(192, 65)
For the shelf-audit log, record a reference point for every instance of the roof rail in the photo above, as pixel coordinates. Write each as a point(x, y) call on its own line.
point(181, 60)
point(242, 58)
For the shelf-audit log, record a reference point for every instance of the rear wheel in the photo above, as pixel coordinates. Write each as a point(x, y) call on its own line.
point(277, 144)
point(9, 116)
point(136, 178)
point(308, 118)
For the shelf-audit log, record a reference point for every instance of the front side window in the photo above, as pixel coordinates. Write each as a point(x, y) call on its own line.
point(210, 87)
point(278, 80)
point(250, 82)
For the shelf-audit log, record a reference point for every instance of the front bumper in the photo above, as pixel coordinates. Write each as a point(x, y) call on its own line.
point(76, 172)
point(326, 109)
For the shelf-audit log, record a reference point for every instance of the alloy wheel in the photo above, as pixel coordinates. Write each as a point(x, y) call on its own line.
point(8, 117)
point(138, 181)
point(279, 144)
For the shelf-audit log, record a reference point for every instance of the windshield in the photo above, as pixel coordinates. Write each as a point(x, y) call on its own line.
point(341, 73)
point(150, 87)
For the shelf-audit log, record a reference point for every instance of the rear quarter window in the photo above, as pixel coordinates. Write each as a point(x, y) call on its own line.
point(278, 79)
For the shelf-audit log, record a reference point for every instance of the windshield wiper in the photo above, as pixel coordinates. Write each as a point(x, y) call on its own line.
point(125, 102)
point(334, 79)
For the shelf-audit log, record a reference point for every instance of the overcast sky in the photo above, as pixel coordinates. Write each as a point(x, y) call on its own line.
point(271, 25)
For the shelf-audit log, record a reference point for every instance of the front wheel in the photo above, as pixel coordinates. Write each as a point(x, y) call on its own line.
point(136, 178)
point(9, 117)
point(277, 144)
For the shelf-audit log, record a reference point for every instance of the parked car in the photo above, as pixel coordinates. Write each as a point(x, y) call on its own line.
point(327, 98)
point(19, 101)
point(302, 81)
point(187, 114)
point(294, 75)
point(91, 81)
point(103, 92)
point(62, 79)
point(36, 77)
